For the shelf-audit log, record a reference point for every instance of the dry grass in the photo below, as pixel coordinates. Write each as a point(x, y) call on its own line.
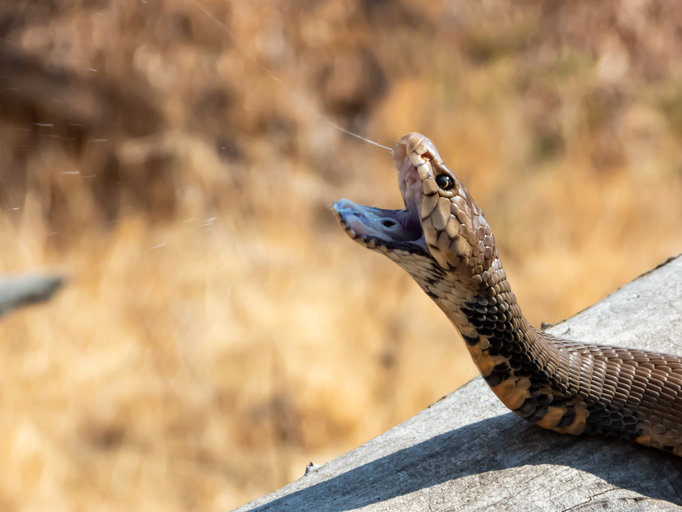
point(220, 331)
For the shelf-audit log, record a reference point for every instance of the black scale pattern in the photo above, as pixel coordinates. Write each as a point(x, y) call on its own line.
point(509, 338)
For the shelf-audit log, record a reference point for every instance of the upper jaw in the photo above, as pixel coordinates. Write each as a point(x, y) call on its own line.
point(413, 155)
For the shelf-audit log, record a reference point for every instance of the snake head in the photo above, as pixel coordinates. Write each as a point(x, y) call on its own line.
point(440, 220)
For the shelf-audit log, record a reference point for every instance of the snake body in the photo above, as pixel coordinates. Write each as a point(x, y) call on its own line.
point(443, 241)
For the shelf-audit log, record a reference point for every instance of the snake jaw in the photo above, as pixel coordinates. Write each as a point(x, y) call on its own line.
point(413, 155)
point(377, 228)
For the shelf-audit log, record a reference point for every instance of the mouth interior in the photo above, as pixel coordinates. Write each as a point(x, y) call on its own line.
point(387, 227)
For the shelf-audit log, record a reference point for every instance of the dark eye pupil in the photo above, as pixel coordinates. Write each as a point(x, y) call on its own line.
point(445, 182)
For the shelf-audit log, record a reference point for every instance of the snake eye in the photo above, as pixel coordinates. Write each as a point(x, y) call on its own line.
point(445, 182)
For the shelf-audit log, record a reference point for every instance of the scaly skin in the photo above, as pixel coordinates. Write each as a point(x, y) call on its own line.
point(443, 241)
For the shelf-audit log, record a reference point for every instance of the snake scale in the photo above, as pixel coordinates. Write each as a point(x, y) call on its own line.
point(443, 241)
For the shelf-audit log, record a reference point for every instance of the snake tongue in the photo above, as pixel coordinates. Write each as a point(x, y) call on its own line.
point(389, 228)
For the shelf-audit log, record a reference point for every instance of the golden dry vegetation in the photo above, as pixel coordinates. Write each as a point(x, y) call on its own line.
point(219, 330)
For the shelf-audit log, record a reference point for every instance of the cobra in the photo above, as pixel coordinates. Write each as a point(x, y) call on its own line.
point(443, 241)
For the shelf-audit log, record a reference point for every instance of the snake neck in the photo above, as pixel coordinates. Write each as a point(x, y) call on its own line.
point(520, 364)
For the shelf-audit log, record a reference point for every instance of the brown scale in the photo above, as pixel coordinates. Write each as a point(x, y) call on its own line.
point(567, 386)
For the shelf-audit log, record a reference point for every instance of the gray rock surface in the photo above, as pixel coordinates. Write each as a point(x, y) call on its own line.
point(21, 290)
point(468, 453)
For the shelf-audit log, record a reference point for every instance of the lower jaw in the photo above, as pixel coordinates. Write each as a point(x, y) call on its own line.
point(390, 228)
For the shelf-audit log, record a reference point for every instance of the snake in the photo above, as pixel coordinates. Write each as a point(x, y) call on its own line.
point(445, 244)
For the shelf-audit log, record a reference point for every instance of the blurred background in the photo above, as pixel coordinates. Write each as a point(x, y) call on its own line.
point(175, 158)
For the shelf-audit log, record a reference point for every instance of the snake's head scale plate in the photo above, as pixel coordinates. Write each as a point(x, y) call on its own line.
point(440, 220)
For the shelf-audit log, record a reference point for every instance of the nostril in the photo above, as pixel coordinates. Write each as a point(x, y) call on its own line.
point(388, 223)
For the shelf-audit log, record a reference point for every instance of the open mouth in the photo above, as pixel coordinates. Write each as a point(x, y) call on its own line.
point(414, 156)
point(393, 229)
